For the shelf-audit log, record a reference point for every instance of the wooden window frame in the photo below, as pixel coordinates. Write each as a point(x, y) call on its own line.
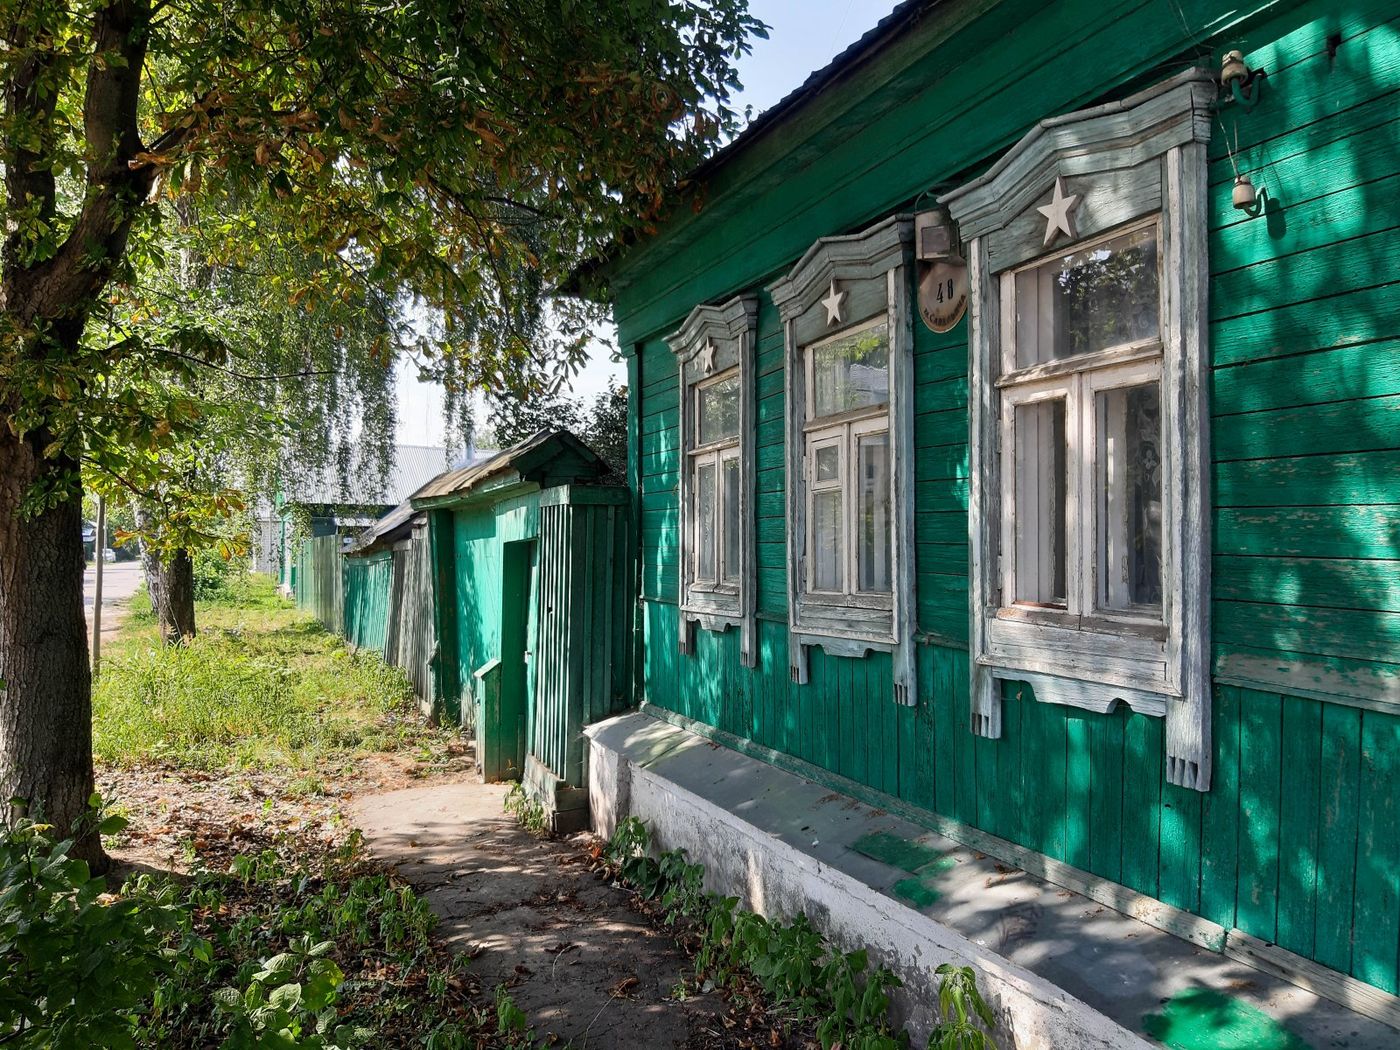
point(1077, 380)
point(842, 430)
point(871, 275)
point(1130, 163)
point(715, 343)
point(715, 455)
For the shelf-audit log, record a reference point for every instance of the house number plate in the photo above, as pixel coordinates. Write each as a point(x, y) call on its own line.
point(942, 293)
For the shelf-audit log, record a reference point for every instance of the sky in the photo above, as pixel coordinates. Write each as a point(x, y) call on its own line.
point(804, 35)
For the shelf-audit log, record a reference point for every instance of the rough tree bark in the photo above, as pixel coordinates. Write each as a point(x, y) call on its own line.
point(45, 303)
point(45, 685)
point(170, 582)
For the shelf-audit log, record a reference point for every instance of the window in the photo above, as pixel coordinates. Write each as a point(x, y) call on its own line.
point(848, 458)
point(1090, 580)
point(714, 350)
point(714, 472)
point(1083, 443)
point(846, 313)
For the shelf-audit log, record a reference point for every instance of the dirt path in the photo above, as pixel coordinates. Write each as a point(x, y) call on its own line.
point(120, 579)
point(583, 965)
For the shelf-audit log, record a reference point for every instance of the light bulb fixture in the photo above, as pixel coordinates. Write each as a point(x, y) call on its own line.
point(1241, 81)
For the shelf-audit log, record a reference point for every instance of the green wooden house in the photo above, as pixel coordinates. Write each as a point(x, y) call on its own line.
point(531, 611)
point(1015, 443)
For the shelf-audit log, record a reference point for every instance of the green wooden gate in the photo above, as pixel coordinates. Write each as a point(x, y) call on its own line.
point(581, 654)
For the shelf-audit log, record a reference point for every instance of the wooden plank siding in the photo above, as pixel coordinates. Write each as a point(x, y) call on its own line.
point(1298, 841)
point(367, 583)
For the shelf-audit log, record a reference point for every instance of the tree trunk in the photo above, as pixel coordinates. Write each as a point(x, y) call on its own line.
point(171, 583)
point(45, 686)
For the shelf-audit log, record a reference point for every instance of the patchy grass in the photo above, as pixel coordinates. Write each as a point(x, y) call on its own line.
point(261, 686)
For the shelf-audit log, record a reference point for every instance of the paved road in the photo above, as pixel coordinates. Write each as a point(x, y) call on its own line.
point(119, 582)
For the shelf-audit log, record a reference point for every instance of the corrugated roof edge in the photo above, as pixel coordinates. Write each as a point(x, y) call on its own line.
point(389, 528)
point(463, 480)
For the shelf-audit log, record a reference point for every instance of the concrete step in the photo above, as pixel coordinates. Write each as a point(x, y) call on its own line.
point(1063, 971)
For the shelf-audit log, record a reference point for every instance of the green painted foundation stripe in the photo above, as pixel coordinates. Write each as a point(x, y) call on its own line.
point(1204, 1019)
point(895, 851)
point(916, 892)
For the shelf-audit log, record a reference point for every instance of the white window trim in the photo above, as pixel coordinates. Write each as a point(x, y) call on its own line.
point(1127, 161)
point(714, 343)
point(871, 272)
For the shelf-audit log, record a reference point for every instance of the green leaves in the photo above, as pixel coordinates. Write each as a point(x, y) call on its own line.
point(803, 974)
point(78, 964)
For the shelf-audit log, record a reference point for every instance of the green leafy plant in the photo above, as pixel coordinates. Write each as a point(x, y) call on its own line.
point(288, 1002)
point(511, 1023)
point(792, 962)
point(79, 963)
point(963, 1012)
point(527, 810)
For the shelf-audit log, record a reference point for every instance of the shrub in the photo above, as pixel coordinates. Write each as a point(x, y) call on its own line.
point(80, 964)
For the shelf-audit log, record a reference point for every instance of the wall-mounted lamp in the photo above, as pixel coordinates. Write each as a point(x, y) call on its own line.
point(1242, 81)
point(943, 282)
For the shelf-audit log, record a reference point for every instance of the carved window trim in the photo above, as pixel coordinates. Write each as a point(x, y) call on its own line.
point(1125, 161)
point(715, 341)
point(868, 276)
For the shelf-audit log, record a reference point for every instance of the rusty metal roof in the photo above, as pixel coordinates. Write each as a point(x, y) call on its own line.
point(530, 460)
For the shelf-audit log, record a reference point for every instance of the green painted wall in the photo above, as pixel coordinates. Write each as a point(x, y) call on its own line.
point(319, 580)
point(581, 618)
point(1298, 841)
point(581, 646)
point(368, 579)
point(478, 535)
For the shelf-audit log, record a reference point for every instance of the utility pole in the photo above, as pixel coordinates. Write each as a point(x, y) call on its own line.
point(99, 549)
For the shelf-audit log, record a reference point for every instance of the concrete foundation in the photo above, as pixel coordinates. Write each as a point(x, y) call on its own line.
point(565, 806)
point(1061, 971)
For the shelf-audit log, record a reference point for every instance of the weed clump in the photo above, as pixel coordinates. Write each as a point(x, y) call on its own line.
point(807, 977)
point(262, 685)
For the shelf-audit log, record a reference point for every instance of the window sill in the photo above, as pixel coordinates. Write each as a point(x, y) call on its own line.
point(1118, 627)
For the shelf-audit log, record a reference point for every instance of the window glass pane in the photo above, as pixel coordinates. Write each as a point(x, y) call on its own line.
point(1130, 498)
point(827, 555)
point(828, 463)
point(1040, 503)
point(717, 412)
point(873, 555)
point(1088, 300)
point(851, 371)
point(705, 521)
point(731, 520)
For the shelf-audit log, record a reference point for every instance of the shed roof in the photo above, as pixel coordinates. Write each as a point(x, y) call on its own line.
point(545, 457)
point(391, 528)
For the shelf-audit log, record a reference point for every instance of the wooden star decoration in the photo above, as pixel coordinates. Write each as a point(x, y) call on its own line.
point(1059, 213)
point(833, 302)
point(707, 356)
